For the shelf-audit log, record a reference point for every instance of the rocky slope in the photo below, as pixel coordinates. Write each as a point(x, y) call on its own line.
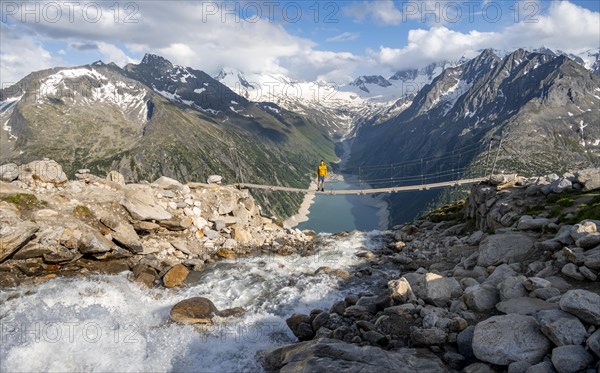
point(544, 106)
point(161, 231)
point(507, 281)
point(157, 119)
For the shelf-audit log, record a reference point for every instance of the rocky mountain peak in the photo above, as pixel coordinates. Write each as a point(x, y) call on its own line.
point(156, 61)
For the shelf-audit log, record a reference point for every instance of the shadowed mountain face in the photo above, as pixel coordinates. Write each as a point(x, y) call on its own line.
point(546, 107)
point(157, 119)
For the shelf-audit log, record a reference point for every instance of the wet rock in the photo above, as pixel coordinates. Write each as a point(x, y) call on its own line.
point(583, 304)
point(293, 322)
point(506, 248)
point(571, 359)
point(561, 328)
point(330, 355)
point(338, 307)
point(320, 320)
point(506, 339)
point(144, 274)
point(175, 276)
point(199, 310)
point(13, 237)
point(524, 306)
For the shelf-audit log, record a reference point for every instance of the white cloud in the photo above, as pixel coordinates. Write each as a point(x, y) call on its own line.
point(381, 11)
point(112, 53)
point(566, 26)
point(20, 55)
point(344, 36)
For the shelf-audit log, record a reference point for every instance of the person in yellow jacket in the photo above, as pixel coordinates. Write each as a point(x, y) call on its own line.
point(321, 173)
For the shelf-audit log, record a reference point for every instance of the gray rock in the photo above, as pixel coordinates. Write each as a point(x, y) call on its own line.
point(141, 205)
point(428, 337)
point(587, 273)
point(12, 238)
point(116, 177)
point(512, 287)
point(46, 171)
point(93, 242)
point(9, 172)
point(401, 290)
point(533, 283)
point(527, 223)
point(481, 298)
point(478, 368)
point(505, 248)
point(571, 270)
point(561, 328)
point(438, 290)
point(214, 179)
point(583, 304)
point(589, 178)
point(571, 359)
point(518, 367)
point(592, 260)
point(593, 342)
point(464, 340)
point(524, 306)
point(475, 238)
point(320, 320)
point(338, 307)
point(375, 338)
point(589, 241)
point(545, 293)
point(506, 339)
point(329, 355)
point(543, 367)
point(167, 183)
point(124, 234)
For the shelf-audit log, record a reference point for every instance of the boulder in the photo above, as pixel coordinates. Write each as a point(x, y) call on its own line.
point(175, 276)
point(571, 270)
point(481, 298)
point(116, 177)
point(293, 322)
point(583, 229)
point(401, 290)
point(9, 172)
point(92, 242)
point(439, 290)
point(330, 355)
point(241, 235)
point(512, 287)
point(141, 205)
point(167, 183)
point(592, 260)
point(510, 338)
point(561, 328)
point(589, 178)
point(533, 283)
point(505, 248)
point(214, 179)
point(527, 223)
point(571, 359)
point(583, 304)
point(46, 171)
point(593, 342)
point(428, 337)
point(543, 367)
point(12, 238)
point(123, 234)
point(589, 241)
point(524, 306)
point(199, 310)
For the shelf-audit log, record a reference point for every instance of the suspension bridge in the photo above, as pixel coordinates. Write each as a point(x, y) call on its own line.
point(453, 169)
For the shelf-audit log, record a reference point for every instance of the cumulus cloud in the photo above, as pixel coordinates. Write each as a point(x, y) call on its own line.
point(565, 27)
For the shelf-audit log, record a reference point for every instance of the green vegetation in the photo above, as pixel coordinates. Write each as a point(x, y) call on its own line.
point(449, 212)
point(590, 210)
point(82, 212)
point(534, 210)
point(24, 201)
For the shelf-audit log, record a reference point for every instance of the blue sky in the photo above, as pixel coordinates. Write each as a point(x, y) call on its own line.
point(326, 40)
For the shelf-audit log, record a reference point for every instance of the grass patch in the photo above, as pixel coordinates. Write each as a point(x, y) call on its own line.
point(534, 210)
point(590, 210)
point(24, 201)
point(453, 211)
point(82, 212)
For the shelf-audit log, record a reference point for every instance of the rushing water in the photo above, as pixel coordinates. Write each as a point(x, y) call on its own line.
point(107, 323)
point(342, 212)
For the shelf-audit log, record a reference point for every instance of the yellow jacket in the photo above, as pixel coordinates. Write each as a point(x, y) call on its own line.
point(322, 170)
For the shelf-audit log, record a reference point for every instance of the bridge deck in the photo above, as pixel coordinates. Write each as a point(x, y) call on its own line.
point(364, 191)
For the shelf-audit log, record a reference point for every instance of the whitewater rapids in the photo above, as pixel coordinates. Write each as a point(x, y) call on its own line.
point(109, 324)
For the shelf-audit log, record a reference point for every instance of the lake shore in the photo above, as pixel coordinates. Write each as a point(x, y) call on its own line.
point(304, 210)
